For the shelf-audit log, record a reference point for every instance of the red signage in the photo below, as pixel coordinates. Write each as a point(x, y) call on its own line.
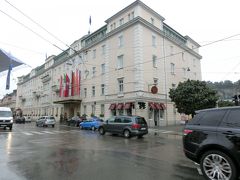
point(154, 90)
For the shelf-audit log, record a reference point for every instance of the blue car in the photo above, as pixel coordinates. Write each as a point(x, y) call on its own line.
point(92, 123)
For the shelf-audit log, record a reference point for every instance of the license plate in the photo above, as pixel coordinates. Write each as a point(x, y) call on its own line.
point(143, 128)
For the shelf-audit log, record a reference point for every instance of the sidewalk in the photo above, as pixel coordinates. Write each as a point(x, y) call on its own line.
point(172, 129)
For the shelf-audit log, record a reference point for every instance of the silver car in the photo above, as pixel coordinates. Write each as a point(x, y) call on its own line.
point(45, 121)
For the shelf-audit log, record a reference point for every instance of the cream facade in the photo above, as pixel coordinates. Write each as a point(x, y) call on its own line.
point(125, 67)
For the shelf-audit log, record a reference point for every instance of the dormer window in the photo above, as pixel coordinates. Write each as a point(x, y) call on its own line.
point(152, 21)
point(121, 21)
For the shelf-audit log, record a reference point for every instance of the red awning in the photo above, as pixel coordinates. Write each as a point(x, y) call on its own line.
point(112, 106)
point(152, 105)
point(127, 105)
point(120, 106)
point(158, 106)
point(163, 106)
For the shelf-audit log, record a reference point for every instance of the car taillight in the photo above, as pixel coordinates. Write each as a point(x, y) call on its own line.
point(187, 131)
point(136, 126)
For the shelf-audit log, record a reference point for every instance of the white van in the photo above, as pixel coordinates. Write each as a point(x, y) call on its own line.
point(6, 117)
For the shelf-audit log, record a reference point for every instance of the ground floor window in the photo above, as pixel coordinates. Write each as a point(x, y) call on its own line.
point(161, 114)
point(114, 112)
point(129, 112)
point(120, 111)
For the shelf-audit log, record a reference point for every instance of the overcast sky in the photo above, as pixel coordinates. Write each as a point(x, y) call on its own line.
point(204, 21)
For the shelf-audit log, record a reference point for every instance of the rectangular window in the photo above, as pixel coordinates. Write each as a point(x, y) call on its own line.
point(152, 21)
point(183, 56)
point(184, 72)
point(103, 49)
point(171, 50)
point(86, 74)
point(103, 68)
point(120, 62)
point(154, 42)
point(194, 62)
point(102, 89)
point(84, 109)
point(102, 109)
point(154, 61)
point(120, 41)
point(93, 109)
point(195, 75)
point(129, 17)
point(173, 86)
point(120, 85)
point(94, 53)
point(121, 21)
point(93, 91)
point(93, 71)
point(85, 92)
point(172, 68)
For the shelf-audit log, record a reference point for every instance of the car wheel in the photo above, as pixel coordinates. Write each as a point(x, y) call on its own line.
point(218, 165)
point(53, 125)
point(93, 128)
point(4, 128)
point(10, 128)
point(126, 133)
point(101, 131)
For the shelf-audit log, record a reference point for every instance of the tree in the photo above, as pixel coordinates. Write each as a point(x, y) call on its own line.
point(225, 103)
point(193, 95)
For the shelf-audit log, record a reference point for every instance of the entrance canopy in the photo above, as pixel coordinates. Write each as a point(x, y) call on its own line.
point(6, 59)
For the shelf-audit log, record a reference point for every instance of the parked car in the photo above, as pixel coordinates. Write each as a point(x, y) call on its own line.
point(92, 123)
point(28, 119)
point(6, 118)
point(125, 125)
point(75, 120)
point(212, 139)
point(46, 121)
point(20, 120)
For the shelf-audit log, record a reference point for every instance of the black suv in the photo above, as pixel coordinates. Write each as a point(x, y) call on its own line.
point(125, 125)
point(212, 139)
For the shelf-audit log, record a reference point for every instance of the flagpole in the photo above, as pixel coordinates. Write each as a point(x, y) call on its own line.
point(90, 22)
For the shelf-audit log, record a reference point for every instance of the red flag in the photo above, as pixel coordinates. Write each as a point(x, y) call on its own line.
point(67, 86)
point(76, 83)
point(73, 84)
point(79, 83)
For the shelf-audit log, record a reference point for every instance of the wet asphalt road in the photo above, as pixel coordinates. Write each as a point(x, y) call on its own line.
point(67, 153)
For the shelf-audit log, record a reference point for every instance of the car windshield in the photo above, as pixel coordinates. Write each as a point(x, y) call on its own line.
point(140, 120)
point(5, 113)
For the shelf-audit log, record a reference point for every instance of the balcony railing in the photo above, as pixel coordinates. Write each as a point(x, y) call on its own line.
point(55, 88)
point(65, 100)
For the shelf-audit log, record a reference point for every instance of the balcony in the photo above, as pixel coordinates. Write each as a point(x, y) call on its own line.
point(55, 88)
point(37, 94)
point(45, 78)
point(67, 100)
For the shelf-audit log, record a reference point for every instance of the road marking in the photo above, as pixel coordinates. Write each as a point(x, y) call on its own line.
point(167, 132)
point(48, 132)
point(74, 130)
point(26, 133)
point(35, 132)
